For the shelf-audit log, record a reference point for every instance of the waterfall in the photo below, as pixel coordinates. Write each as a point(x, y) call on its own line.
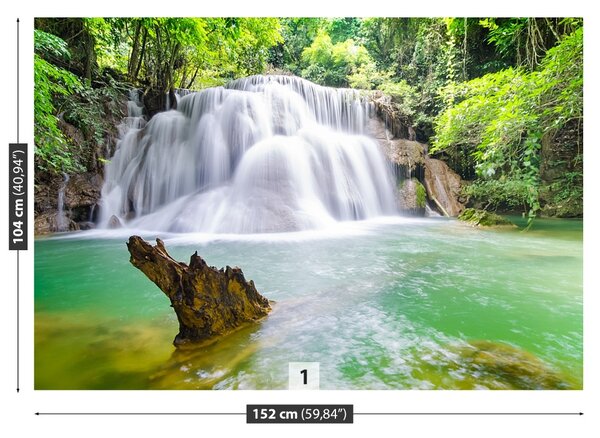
point(262, 154)
point(62, 222)
point(178, 93)
point(135, 112)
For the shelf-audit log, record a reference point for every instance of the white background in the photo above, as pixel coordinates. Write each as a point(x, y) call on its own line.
point(17, 411)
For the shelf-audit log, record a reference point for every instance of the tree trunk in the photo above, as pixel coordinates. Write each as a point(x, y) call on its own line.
point(141, 57)
point(89, 57)
point(208, 302)
point(189, 85)
point(171, 68)
point(135, 52)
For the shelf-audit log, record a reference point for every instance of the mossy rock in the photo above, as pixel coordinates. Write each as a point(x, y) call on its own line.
point(412, 197)
point(484, 218)
point(501, 366)
point(421, 195)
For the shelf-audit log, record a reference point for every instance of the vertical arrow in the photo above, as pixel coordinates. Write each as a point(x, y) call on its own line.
point(18, 80)
point(18, 286)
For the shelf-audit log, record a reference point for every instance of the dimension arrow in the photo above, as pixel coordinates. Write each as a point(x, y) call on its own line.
point(140, 413)
point(468, 413)
point(356, 413)
point(18, 79)
point(18, 273)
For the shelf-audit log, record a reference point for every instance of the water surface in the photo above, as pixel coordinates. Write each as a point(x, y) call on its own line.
point(388, 304)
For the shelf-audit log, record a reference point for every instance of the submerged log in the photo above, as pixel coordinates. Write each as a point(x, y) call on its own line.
point(209, 302)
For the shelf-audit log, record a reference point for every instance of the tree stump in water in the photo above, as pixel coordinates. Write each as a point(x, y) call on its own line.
point(208, 302)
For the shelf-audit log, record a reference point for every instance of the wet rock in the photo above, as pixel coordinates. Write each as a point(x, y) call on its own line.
point(502, 366)
point(397, 140)
point(114, 222)
point(400, 151)
point(82, 193)
point(443, 187)
point(407, 153)
point(47, 222)
point(568, 208)
point(155, 101)
point(208, 302)
point(46, 194)
point(86, 225)
point(559, 156)
point(395, 121)
point(484, 218)
point(412, 197)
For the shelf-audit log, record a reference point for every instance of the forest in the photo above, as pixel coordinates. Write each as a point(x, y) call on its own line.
point(499, 100)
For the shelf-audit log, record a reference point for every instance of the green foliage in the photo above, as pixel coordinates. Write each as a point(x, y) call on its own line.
point(110, 47)
point(95, 112)
point(560, 81)
point(52, 149)
point(331, 64)
point(48, 45)
point(403, 95)
point(492, 117)
point(251, 45)
point(412, 51)
point(568, 188)
point(343, 29)
point(421, 194)
point(500, 118)
point(297, 33)
point(367, 77)
point(565, 194)
point(390, 41)
point(524, 41)
point(165, 53)
point(504, 34)
point(503, 193)
point(71, 119)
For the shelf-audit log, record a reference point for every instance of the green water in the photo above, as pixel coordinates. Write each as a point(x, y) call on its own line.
point(380, 305)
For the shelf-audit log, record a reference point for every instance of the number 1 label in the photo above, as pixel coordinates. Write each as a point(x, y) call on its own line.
point(303, 375)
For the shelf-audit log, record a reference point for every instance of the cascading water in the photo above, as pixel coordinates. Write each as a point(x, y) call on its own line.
point(178, 93)
point(263, 154)
point(62, 222)
point(135, 112)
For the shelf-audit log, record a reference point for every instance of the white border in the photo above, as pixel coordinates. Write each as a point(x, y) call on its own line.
point(19, 409)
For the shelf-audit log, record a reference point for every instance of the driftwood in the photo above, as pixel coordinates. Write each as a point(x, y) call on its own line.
point(208, 302)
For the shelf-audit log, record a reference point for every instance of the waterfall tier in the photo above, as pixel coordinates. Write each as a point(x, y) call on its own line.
point(263, 154)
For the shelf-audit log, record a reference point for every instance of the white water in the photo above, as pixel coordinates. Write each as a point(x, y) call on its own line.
point(62, 222)
point(264, 154)
point(135, 112)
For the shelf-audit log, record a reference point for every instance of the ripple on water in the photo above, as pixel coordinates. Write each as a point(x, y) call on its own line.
point(380, 304)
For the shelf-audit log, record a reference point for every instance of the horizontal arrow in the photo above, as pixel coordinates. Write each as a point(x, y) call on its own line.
point(356, 413)
point(140, 413)
point(468, 413)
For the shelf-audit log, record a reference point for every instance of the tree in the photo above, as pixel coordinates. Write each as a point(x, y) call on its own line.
point(343, 29)
point(524, 41)
point(331, 64)
point(297, 34)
